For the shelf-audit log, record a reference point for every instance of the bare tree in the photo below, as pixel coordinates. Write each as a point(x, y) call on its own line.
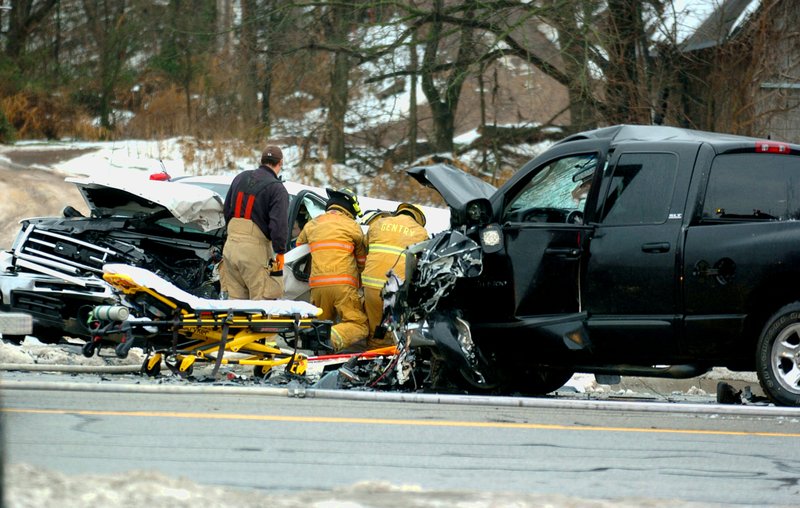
point(112, 35)
point(340, 18)
point(189, 37)
point(412, 114)
point(225, 27)
point(574, 24)
point(625, 77)
point(444, 101)
point(248, 47)
point(24, 17)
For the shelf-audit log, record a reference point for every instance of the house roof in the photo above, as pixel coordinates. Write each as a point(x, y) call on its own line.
point(720, 24)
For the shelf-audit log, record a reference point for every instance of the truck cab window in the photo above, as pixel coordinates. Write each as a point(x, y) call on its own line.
point(752, 187)
point(556, 193)
point(640, 189)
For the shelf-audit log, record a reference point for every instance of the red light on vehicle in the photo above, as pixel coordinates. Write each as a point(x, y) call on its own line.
point(772, 147)
point(161, 177)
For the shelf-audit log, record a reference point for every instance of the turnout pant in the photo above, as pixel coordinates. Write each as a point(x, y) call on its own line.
point(342, 305)
point(245, 269)
point(373, 304)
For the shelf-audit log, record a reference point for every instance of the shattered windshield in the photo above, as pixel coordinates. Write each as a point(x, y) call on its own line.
point(561, 184)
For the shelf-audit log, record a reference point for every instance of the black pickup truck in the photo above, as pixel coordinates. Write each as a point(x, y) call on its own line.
point(627, 250)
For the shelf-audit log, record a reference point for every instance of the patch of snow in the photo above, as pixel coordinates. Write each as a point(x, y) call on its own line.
point(14, 354)
point(27, 486)
point(467, 137)
point(721, 373)
point(31, 351)
point(695, 391)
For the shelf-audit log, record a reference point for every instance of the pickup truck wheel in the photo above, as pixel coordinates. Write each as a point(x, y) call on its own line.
point(540, 380)
point(778, 356)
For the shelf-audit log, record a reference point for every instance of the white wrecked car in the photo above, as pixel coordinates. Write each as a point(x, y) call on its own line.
point(173, 228)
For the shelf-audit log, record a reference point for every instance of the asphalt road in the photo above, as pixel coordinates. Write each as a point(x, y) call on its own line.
point(275, 443)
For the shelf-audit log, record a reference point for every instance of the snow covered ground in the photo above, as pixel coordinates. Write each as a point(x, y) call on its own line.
point(31, 487)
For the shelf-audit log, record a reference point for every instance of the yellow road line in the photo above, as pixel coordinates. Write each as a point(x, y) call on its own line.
point(387, 421)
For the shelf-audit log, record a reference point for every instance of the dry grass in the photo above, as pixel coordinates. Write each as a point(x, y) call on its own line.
point(162, 115)
point(203, 157)
point(47, 116)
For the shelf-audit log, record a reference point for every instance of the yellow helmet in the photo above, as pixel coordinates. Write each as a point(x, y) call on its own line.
point(412, 210)
point(373, 215)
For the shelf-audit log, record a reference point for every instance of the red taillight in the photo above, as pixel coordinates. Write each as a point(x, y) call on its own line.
point(162, 177)
point(772, 147)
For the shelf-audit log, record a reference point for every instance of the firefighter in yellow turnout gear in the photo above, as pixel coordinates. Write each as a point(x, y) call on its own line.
point(338, 254)
point(387, 238)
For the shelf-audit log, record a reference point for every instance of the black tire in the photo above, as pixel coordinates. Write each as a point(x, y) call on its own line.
point(445, 377)
point(88, 349)
point(13, 339)
point(778, 356)
point(540, 380)
point(261, 371)
point(121, 350)
point(154, 371)
point(472, 383)
point(48, 334)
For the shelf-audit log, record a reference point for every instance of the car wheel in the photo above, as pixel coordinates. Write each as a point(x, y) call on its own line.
point(540, 380)
point(48, 334)
point(778, 356)
point(13, 339)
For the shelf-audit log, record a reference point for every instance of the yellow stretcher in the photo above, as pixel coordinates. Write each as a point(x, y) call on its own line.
point(183, 329)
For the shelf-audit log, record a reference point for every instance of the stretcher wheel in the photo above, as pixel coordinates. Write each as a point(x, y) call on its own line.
point(261, 370)
point(154, 370)
point(122, 350)
point(88, 349)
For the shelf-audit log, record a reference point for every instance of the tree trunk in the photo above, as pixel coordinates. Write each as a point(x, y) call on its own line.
point(248, 46)
point(439, 112)
point(340, 73)
point(573, 42)
point(266, 91)
point(412, 107)
point(109, 28)
point(626, 104)
point(444, 105)
point(22, 21)
point(224, 27)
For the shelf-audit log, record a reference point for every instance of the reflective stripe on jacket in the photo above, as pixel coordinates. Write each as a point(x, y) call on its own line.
point(337, 247)
point(387, 238)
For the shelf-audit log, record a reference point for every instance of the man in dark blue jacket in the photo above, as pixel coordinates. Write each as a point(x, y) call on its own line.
point(256, 211)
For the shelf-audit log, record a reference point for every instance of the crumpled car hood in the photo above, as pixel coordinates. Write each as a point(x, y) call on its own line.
point(109, 195)
point(456, 187)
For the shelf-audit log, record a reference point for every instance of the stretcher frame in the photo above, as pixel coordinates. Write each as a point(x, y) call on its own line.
point(184, 335)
